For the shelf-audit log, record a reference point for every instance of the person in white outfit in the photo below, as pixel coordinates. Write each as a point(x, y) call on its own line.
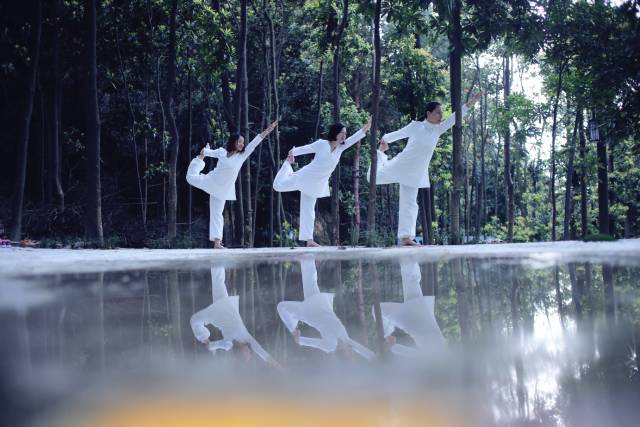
point(312, 180)
point(224, 314)
point(415, 316)
point(317, 311)
point(410, 168)
point(220, 182)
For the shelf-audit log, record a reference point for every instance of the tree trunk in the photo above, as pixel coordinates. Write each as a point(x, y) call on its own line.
point(189, 149)
point(93, 225)
point(24, 128)
point(320, 88)
point(603, 188)
point(375, 101)
point(335, 183)
point(455, 61)
point(507, 151)
point(276, 131)
point(583, 178)
point(174, 145)
point(552, 182)
point(356, 194)
point(56, 99)
point(246, 168)
point(482, 192)
point(568, 196)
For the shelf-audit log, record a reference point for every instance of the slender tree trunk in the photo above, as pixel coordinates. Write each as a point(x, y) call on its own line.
point(583, 178)
point(507, 151)
point(482, 193)
point(276, 112)
point(93, 225)
point(356, 194)
point(173, 128)
point(375, 100)
point(554, 127)
point(319, 111)
point(568, 195)
point(603, 187)
point(133, 129)
point(56, 120)
point(24, 127)
point(188, 146)
point(246, 168)
point(335, 191)
point(612, 184)
point(455, 61)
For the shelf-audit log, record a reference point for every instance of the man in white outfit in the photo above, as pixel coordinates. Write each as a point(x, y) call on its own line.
point(410, 168)
point(415, 316)
point(317, 311)
point(224, 314)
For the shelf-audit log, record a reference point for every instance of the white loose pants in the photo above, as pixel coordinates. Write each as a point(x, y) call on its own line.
point(307, 216)
point(407, 212)
point(216, 222)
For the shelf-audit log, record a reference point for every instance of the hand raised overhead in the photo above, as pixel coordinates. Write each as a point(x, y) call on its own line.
point(268, 130)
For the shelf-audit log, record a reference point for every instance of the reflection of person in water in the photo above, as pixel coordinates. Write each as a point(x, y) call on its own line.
point(415, 315)
point(317, 311)
point(224, 314)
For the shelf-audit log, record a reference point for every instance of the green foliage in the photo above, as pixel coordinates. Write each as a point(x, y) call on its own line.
point(598, 238)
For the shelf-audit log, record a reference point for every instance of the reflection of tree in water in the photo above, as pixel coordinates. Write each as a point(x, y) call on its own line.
point(497, 306)
point(494, 313)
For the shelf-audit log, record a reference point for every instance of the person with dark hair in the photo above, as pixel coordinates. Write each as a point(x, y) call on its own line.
point(312, 180)
point(220, 182)
point(410, 168)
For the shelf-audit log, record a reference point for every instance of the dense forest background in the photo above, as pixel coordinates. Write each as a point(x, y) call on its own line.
point(104, 103)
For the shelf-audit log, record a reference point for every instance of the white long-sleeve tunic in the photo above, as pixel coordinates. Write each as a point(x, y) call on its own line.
point(224, 314)
point(411, 166)
point(415, 315)
point(220, 182)
point(313, 179)
point(317, 311)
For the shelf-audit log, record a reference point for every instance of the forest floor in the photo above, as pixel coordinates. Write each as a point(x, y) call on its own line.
point(17, 261)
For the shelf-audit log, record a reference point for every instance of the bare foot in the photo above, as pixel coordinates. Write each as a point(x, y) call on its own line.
point(312, 244)
point(406, 241)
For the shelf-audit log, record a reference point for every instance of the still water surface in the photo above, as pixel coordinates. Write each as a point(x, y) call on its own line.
point(324, 340)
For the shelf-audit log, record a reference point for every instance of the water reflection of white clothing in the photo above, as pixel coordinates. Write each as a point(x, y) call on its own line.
point(317, 311)
point(224, 314)
point(415, 315)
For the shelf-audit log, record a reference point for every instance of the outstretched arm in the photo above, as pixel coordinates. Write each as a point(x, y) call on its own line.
point(255, 141)
point(305, 149)
point(357, 136)
point(451, 120)
point(399, 134)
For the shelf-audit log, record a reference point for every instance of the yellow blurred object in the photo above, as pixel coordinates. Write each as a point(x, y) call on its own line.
point(258, 411)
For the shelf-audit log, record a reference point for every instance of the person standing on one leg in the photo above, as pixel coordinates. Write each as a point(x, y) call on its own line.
point(410, 168)
point(312, 180)
point(220, 182)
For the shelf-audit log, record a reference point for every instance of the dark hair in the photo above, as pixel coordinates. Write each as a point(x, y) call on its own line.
point(231, 142)
point(431, 105)
point(334, 130)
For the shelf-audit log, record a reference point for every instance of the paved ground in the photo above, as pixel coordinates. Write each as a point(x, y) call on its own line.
point(23, 261)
